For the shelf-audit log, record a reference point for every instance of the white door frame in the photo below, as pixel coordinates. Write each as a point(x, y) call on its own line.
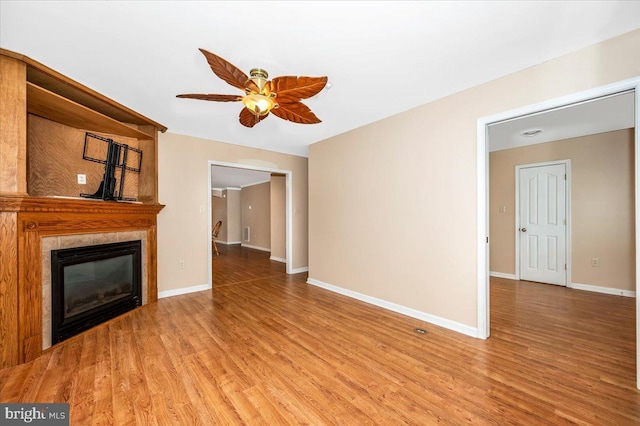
point(288, 209)
point(567, 214)
point(482, 202)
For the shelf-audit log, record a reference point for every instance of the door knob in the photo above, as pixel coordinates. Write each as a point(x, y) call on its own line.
point(523, 229)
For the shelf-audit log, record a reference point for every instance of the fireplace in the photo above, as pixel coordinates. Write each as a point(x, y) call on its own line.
point(90, 285)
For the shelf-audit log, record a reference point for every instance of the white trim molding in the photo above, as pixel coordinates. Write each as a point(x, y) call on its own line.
point(278, 259)
point(184, 290)
point(228, 242)
point(503, 275)
point(255, 183)
point(299, 270)
point(413, 313)
point(605, 290)
point(482, 232)
point(256, 247)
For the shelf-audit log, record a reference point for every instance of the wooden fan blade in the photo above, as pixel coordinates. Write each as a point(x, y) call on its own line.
point(249, 119)
point(217, 98)
point(226, 70)
point(296, 112)
point(293, 89)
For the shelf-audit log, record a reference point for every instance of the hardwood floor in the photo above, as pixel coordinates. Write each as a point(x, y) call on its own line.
point(266, 348)
point(239, 265)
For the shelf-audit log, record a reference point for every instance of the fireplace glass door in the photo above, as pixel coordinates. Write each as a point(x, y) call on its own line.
point(93, 284)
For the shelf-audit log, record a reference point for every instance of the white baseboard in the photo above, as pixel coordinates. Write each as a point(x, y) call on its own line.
point(503, 275)
point(278, 259)
point(442, 322)
point(299, 270)
point(256, 247)
point(184, 290)
point(228, 242)
point(605, 290)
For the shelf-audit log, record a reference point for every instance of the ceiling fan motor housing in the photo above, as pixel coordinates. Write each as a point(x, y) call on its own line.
point(259, 77)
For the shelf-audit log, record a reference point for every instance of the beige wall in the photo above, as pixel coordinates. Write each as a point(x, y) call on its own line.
point(183, 188)
point(234, 217)
point(278, 217)
point(419, 251)
point(256, 214)
point(219, 212)
point(602, 205)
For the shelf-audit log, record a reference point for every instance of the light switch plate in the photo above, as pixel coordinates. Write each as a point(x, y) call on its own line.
point(82, 179)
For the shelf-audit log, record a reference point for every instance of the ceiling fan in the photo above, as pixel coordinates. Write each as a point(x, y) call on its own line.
point(280, 96)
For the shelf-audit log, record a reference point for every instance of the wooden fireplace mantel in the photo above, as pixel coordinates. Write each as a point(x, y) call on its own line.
point(38, 217)
point(43, 120)
point(64, 216)
point(73, 205)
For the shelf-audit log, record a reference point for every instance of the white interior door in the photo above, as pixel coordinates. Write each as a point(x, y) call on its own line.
point(542, 223)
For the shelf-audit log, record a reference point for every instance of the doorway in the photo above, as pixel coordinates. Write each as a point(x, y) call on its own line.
point(483, 297)
point(288, 174)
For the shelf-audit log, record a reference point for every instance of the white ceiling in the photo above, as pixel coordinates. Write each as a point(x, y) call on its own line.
point(587, 118)
point(223, 177)
point(382, 58)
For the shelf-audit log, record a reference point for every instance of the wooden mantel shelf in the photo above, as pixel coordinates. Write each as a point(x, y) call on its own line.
point(74, 205)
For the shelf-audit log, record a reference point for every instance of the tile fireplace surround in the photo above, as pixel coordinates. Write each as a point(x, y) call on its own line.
point(83, 240)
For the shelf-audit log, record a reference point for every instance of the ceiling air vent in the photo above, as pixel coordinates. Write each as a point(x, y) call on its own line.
point(530, 133)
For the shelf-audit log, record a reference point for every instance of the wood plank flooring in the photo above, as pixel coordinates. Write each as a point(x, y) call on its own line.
point(266, 348)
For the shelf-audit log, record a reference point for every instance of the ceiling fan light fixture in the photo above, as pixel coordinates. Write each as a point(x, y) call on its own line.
point(260, 94)
point(259, 104)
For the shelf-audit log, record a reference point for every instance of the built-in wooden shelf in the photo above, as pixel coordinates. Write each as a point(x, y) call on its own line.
point(51, 80)
point(46, 104)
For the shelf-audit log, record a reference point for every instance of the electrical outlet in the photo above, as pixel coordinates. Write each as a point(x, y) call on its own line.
point(201, 209)
point(595, 262)
point(181, 264)
point(82, 179)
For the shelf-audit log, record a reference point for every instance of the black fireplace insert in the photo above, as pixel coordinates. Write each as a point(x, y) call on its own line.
point(90, 285)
